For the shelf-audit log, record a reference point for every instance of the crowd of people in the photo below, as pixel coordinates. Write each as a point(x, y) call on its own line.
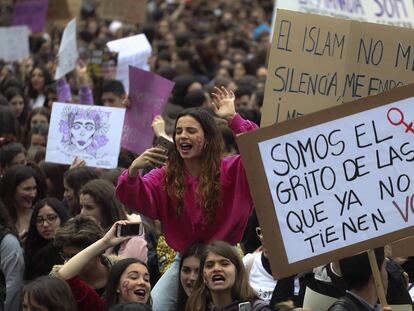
point(59, 242)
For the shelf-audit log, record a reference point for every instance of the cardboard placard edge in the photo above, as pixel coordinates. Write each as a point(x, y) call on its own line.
point(248, 146)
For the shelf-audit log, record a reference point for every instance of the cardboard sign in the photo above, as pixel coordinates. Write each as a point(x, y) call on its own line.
point(131, 11)
point(317, 62)
point(62, 11)
point(31, 13)
point(14, 43)
point(92, 133)
point(334, 183)
point(403, 248)
point(148, 95)
point(397, 13)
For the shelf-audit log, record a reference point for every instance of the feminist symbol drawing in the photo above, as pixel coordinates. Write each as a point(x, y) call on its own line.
point(84, 130)
point(396, 117)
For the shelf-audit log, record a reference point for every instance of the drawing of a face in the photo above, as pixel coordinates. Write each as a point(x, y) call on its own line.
point(82, 132)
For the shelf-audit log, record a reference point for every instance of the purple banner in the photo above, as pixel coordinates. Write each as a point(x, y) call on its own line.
point(148, 95)
point(31, 13)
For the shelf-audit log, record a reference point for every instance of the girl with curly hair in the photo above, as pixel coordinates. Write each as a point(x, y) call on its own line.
point(199, 195)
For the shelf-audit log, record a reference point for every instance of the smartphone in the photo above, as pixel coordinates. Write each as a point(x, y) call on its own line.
point(245, 306)
point(164, 143)
point(129, 230)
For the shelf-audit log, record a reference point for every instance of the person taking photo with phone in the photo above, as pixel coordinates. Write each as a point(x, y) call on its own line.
point(199, 195)
point(128, 279)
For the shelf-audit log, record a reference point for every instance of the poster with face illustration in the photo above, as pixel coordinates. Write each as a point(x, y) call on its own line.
point(91, 133)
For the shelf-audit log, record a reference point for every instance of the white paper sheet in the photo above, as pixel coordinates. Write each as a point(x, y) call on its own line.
point(14, 43)
point(92, 133)
point(134, 51)
point(68, 51)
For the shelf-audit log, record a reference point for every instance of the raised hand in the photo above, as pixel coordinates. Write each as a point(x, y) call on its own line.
point(158, 125)
point(77, 162)
point(82, 75)
point(151, 157)
point(223, 103)
point(110, 238)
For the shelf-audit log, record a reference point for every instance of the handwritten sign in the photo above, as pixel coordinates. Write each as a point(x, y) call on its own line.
point(317, 62)
point(68, 51)
point(132, 51)
point(31, 13)
point(14, 43)
point(391, 12)
point(335, 182)
point(148, 94)
point(92, 133)
point(131, 11)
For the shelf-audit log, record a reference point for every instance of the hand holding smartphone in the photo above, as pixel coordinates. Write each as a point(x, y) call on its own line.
point(165, 144)
point(129, 229)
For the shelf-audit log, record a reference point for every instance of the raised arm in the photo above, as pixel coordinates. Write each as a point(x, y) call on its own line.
point(224, 107)
point(151, 157)
point(223, 103)
point(75, 265)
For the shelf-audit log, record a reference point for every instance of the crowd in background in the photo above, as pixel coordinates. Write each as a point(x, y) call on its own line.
point(59, 248)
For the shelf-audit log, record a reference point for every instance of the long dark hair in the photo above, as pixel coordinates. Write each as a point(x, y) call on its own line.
point(47, 78)
point(50, 292)
point(9, 125)
point(241, 289)
point(8, 184)
point(103, 193)
point(8, 151)
point(209, 189)
point(194, 250)
point(115, 276)
point(35, 243)
point(76, 178)
point(6, 223)
point(10, 93)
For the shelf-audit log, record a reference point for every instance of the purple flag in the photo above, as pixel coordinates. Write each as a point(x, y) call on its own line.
point(31, 13)
point(148, 95)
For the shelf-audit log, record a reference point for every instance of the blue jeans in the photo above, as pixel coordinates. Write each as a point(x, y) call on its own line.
point(164, 294)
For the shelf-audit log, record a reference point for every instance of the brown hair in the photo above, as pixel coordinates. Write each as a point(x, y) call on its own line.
point(209, 188)
point(79, 231)
point(50, 292)
point(241, 290)
point(103, 193)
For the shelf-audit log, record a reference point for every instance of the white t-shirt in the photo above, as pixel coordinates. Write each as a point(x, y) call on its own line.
point(38, 101)
point(412, 292)
point(261, 281)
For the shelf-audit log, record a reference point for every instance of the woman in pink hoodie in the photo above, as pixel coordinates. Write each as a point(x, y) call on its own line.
point(199, 195)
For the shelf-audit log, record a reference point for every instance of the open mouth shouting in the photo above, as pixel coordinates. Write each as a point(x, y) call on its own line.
point(141, 294)
point(185, 148)
point(218, 279)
